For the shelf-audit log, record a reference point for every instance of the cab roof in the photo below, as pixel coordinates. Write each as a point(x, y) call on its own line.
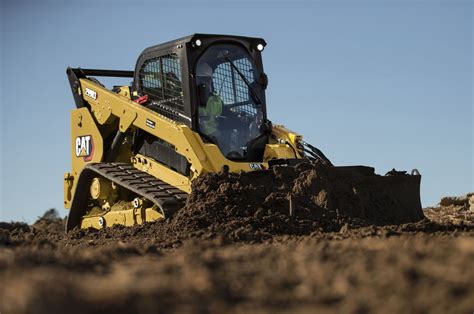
point(202, 37)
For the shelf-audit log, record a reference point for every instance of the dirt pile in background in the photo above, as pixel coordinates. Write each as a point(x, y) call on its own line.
point(49, 228)
point(453, 209)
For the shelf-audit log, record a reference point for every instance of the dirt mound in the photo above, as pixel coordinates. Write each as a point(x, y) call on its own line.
point(49, 228)
point(453, 210)
point(252, 207)
point(283, 201)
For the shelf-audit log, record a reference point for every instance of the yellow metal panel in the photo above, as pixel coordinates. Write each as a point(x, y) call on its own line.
point(86, 146)
point(68, 186)
point(83, 126)
point(127, 119)
point(125, 91)
point(127, 217)
point(282, 133)
point(278, 151)
point(162, 172)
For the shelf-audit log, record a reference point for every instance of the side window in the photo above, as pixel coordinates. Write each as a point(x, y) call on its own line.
point(160, 78)
point(150, 75)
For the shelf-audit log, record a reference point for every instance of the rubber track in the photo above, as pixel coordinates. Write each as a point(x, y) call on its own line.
point(164, 195)
point(139, 182)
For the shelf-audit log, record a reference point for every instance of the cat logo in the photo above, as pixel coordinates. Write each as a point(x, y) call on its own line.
point(84, 147)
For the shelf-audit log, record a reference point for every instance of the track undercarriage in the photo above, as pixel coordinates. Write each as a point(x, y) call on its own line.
point(118, 193)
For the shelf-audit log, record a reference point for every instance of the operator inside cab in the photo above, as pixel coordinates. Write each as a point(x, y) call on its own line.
point(211, 106)
point(230, 101)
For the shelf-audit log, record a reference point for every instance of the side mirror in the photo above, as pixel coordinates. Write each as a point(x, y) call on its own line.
point(266, 127)
point(202, 95)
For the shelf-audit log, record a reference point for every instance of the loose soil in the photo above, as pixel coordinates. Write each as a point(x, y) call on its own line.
point(239, 246)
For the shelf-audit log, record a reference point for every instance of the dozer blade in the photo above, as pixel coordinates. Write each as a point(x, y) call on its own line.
point(390, 199)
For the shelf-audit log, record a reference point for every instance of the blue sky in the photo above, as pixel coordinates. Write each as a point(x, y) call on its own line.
point(380, 83)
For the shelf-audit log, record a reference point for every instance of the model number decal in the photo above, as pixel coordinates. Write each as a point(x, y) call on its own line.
point(256, 166)
point(90, 93)
point(150, 123)
point(84, 147)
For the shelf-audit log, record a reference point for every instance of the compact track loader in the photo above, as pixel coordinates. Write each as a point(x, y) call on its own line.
point(195, 105)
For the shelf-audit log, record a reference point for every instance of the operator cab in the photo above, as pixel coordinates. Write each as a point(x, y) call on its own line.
point(213, 83)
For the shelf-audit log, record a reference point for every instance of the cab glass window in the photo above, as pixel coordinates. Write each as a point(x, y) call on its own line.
point(230, 99)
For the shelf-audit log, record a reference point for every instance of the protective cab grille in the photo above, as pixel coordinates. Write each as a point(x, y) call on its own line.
point(230, 86)
point(160, 79)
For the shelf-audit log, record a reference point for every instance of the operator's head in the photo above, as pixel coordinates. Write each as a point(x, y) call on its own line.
point(204, 79)
point(204, 70)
